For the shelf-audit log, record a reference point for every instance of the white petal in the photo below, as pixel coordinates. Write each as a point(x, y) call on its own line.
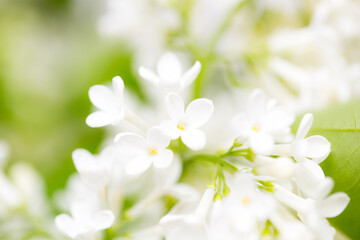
point(165, 178)
point(277, 120)
point(257, 104)
point(163, 158)
point(118, 86)
point(91, 170)
point(181, 227)
point(309, 176)
point(169, 128)
point(138, 165)
point(318, 148)
point(82, 158)
point(67, 225)
point(102, 98)
point(334, 205)
point(169, 69)
point(324, 188)
point(194, 139)
point(242, 124)
point(299, 149)
point(131, 143)
point(81, 211)
point(199, 112)
point(96, 174)
point(157, 138)
point(149, 75)
point(190, 75)
point(99, 119)
point(175, 106)
point(103, 220)
point(261, 143)
point(184, 192)
point(304, 126)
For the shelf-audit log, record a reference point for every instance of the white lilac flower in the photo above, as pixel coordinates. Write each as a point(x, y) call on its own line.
point(110, 104)
point(248, 200)
point(262, 123)
point(94, 170)
point(143, 152)
point(170, 74)
point(189, 226)
point(31, 188)
point(288, 226)
point(315, 148)
point(314, 212)
point(244, 211)
point(311, 180)
point(85, 222)
point(185, 123)
point(76, 190)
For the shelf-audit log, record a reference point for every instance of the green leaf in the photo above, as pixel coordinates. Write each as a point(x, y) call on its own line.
point(341, 126)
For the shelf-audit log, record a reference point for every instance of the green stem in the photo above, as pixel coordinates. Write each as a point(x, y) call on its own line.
point(215, 160)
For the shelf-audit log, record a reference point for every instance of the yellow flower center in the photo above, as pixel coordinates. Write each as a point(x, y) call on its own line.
point(152, 151)
point(181, 126)
point(245, 200)
point(255, 128)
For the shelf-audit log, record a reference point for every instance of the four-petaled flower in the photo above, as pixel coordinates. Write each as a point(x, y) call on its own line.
point(84, 222)
point(170, 74)
point(262, 123)
point(110, 104)
point(143, 152)
point(185, 124)
point(94, 170)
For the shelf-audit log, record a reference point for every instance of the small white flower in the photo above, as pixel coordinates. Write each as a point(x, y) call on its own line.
point(243, 211)
point(248, 201)
point(185, 123)
point(170, 73)
point(84, 222)
point(145, 151)
point(311, 180)
point(110, 104)
point(262, 123)
point(288, 226)
point(314, 212)
point(191, 226)
point(94, 170)
point(315, 148)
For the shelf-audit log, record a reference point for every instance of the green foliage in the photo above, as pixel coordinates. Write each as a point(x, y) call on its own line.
point(341, 126)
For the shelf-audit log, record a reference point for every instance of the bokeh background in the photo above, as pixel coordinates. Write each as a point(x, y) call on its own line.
point(50, 54)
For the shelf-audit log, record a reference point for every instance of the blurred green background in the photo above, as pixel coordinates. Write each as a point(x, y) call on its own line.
point(50, 54)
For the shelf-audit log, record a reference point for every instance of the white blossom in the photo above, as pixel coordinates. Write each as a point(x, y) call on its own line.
point(94, 170)
point(84, 221)
point(144, 152)
point(185, 123)
point(262, 123)
point(316, 148)
point(191, 226)
point(170, 74)
point(110, 104)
